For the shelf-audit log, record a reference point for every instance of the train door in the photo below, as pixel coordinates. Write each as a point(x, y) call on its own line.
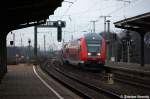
point(78, 50)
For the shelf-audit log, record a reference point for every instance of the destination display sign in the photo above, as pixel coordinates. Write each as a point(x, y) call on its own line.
point(53, 24)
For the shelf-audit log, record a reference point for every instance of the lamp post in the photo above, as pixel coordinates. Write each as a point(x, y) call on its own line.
point(128, 47)
point(123, 46)
point(29, 53)
point(108, 41)
point(129, 44)
point(127, 41)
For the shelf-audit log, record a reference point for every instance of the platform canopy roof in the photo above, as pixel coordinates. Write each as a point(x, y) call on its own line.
point(16, 14)
point(140, 23)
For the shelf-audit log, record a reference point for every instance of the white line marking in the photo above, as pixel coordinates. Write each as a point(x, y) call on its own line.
point(48, 86)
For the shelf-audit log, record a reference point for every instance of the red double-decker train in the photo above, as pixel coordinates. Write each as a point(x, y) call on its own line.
point(88, 51)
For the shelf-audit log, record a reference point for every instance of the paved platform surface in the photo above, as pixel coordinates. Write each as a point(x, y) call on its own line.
point(21, 83)
point(130, 66)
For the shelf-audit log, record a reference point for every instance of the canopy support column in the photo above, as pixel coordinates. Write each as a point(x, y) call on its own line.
point(142, 49)
point(3, 56)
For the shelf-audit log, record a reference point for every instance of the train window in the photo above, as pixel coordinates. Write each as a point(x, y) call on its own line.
point(67, 50)
point(79, 45)
point(79, 41)
point(93, 45)
point(93, 41)
point(65, 45)
point(79, 49)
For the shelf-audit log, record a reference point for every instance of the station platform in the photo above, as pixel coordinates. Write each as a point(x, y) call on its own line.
point(130, 66)
point(21, 82)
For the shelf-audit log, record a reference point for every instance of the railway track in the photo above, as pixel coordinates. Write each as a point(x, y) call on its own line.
point(73, 77)
point(135, 78)
point(79, 86)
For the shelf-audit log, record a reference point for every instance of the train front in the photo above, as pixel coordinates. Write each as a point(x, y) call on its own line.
point(94, 51)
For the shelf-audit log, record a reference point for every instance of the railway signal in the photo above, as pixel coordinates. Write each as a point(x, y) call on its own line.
point(49, 24)
point(11, 42)
point(55, 24)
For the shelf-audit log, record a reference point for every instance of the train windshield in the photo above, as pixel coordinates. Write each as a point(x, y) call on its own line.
point(93, 41)
point(93, 46)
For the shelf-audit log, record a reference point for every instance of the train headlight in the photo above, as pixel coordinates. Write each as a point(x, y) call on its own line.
point(98, 54)
point(89, 54)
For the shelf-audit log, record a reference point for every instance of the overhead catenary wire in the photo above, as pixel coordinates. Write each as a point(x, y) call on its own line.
point(87, 10)
point(82, 13)
point(71, 4)
point(110, 13)
point(120, 8)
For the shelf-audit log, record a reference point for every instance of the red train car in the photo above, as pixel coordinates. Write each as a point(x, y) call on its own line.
point(88, 51)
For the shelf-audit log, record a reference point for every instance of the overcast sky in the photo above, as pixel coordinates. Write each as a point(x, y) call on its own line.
point(78, 15)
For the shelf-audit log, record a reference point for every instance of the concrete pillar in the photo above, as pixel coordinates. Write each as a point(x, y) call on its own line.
point(142, 49)
point(35, 42)
point(1, 66)
point(3, 55)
